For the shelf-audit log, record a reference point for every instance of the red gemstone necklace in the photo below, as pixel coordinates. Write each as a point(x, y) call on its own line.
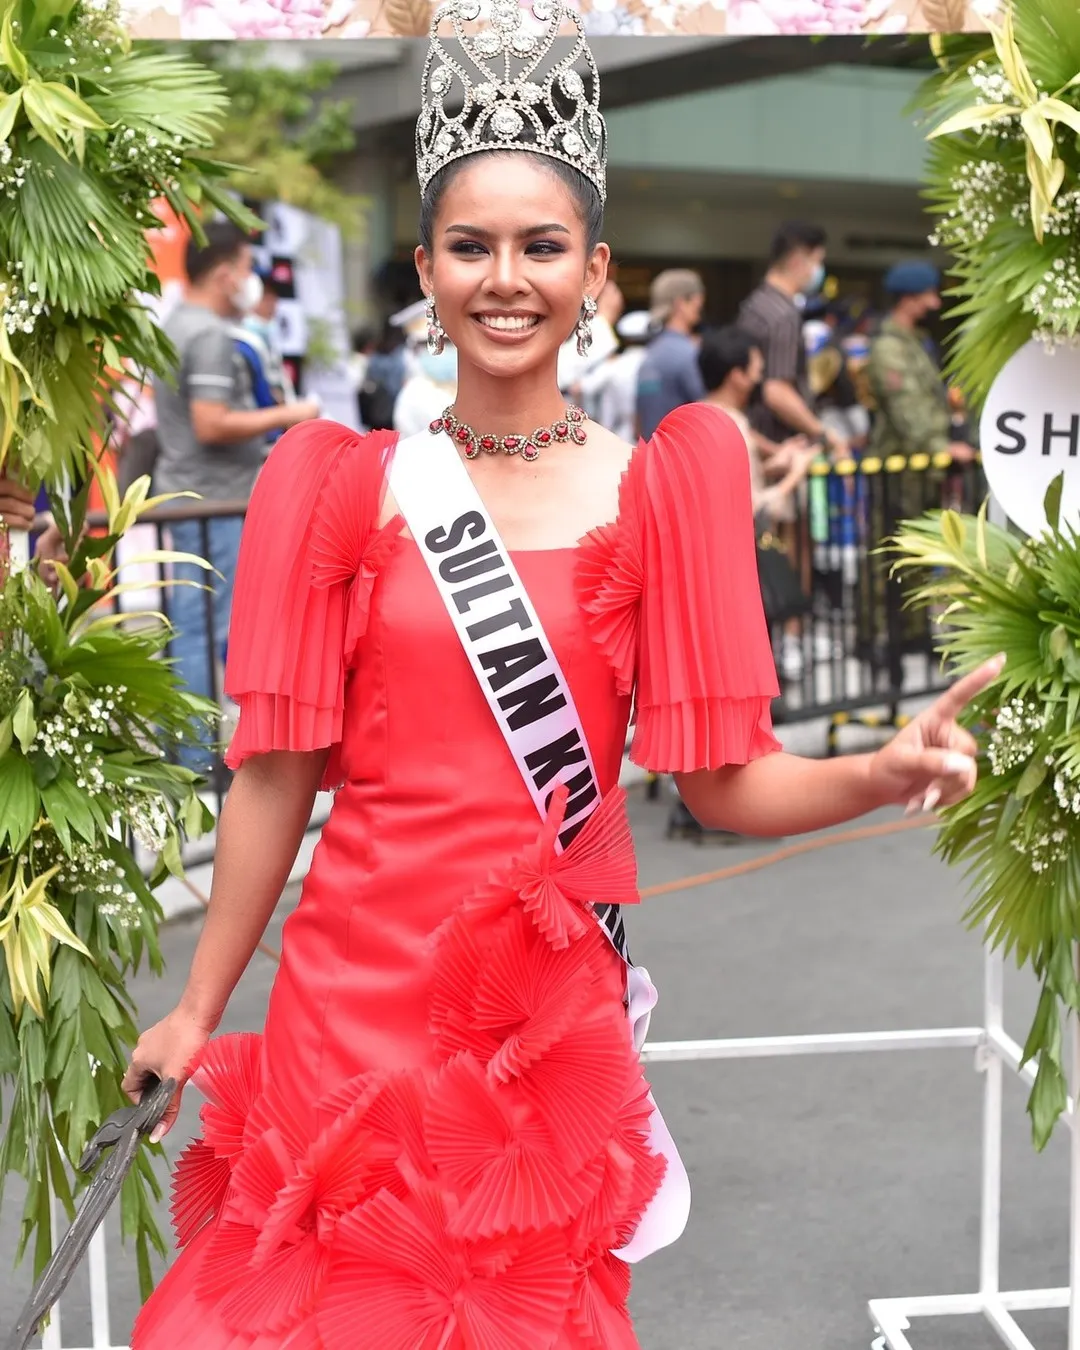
point(569, 427)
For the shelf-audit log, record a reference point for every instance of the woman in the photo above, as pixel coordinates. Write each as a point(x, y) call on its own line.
point(443, 1140)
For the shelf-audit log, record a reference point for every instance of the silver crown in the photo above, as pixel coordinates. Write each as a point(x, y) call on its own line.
point(501, 92)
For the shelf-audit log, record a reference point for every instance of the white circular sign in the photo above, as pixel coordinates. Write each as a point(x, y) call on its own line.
point(1030, 433)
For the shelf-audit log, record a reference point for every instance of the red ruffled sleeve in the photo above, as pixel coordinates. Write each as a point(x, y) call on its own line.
point(309, 556)
point(671, 594)
point(706, 676)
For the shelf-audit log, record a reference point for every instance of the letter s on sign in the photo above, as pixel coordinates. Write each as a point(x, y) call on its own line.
point(442, 540)
point(1018, 437)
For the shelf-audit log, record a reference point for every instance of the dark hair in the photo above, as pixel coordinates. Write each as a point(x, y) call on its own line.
point(363, 338)
point(590, 208)
point(224, 240)
point(390, 338)
point(723, 350)
point(794, 235)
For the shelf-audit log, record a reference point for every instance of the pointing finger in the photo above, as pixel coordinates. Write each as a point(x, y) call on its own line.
point(955, 699)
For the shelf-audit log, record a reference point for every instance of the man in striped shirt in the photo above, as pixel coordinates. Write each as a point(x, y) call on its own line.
point(772, 316)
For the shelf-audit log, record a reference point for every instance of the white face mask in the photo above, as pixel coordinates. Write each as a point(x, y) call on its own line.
point(249, 294)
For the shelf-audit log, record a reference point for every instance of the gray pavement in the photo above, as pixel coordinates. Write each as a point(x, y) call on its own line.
point(819, 1183)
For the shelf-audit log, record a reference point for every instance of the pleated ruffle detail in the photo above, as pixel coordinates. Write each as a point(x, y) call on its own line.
point(610, 580)
point(472, 1205)
point(671, 596)
point(309, 557)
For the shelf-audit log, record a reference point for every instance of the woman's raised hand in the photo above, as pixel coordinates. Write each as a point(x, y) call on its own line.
point(932, 761)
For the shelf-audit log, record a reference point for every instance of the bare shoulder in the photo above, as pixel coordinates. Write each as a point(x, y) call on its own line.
point(610, 450)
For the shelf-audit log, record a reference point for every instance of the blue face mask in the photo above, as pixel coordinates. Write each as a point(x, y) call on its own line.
point(441, 369)
point(817, 280)
point(261, 327)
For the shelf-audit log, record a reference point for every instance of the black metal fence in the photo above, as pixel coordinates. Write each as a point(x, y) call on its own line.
point(855, 654)
point(156, 532)
point(858, 647)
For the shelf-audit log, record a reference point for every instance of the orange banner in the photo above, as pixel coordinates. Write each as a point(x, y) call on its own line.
point(168, 246)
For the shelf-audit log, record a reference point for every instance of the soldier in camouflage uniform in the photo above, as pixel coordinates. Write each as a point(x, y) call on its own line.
point(912, 403)
point(912, 415)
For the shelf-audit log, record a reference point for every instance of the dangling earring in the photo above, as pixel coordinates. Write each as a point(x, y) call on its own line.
point(436, 334)
point(584, 325)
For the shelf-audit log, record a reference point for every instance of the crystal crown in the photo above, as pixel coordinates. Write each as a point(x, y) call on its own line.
point(505, 89)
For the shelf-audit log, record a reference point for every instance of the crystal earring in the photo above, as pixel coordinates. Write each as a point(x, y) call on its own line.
point(584, 325)
point(436, 334)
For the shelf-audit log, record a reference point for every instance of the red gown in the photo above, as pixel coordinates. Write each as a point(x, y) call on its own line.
point(441, 1135)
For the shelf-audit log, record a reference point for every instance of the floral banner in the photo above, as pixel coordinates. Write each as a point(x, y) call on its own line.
point(278, 19)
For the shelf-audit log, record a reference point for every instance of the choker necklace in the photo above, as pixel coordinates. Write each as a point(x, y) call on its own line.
point(568, 428)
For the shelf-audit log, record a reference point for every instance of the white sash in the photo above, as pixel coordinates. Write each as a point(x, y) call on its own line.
point(531, 701)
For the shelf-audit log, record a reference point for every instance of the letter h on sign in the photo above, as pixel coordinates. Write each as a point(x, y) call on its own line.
point(1050, 433)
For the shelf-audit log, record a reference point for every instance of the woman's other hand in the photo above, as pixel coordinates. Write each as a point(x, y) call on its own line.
point(169, 1049)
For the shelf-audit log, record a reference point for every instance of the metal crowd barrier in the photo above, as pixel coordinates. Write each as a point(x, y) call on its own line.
point(859, 648)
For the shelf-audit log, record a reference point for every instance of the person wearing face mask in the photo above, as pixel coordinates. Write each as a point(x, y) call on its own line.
point(913, 412)
point(427, 392)
point(257, 336)
point(213, 438)
point(773, 316)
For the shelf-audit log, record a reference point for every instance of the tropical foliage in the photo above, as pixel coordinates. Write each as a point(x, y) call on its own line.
point(1018, 834)
point(88, 713)
point(286, 130)
point(1004, 183)
point(92, 133)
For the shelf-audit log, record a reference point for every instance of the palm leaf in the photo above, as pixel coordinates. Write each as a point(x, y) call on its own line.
point(73, 237)
point(1049, 36)
point(163, 91)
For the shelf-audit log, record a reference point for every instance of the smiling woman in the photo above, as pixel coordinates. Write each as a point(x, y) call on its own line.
point(509, 262)
point(443, 1140)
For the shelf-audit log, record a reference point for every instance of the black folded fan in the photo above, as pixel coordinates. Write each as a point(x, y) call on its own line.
point(121, 1134)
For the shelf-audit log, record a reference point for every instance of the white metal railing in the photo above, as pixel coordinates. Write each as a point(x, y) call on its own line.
point(998, 1052)
point(995, 1051)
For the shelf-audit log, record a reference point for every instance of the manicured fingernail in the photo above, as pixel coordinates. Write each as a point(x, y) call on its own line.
point(912, 807)
point(157, 1134)
point(957, 763)
point(933, 796)
point(999, 661)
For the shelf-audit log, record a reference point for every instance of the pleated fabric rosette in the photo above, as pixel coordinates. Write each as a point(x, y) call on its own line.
point(473, 1204)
